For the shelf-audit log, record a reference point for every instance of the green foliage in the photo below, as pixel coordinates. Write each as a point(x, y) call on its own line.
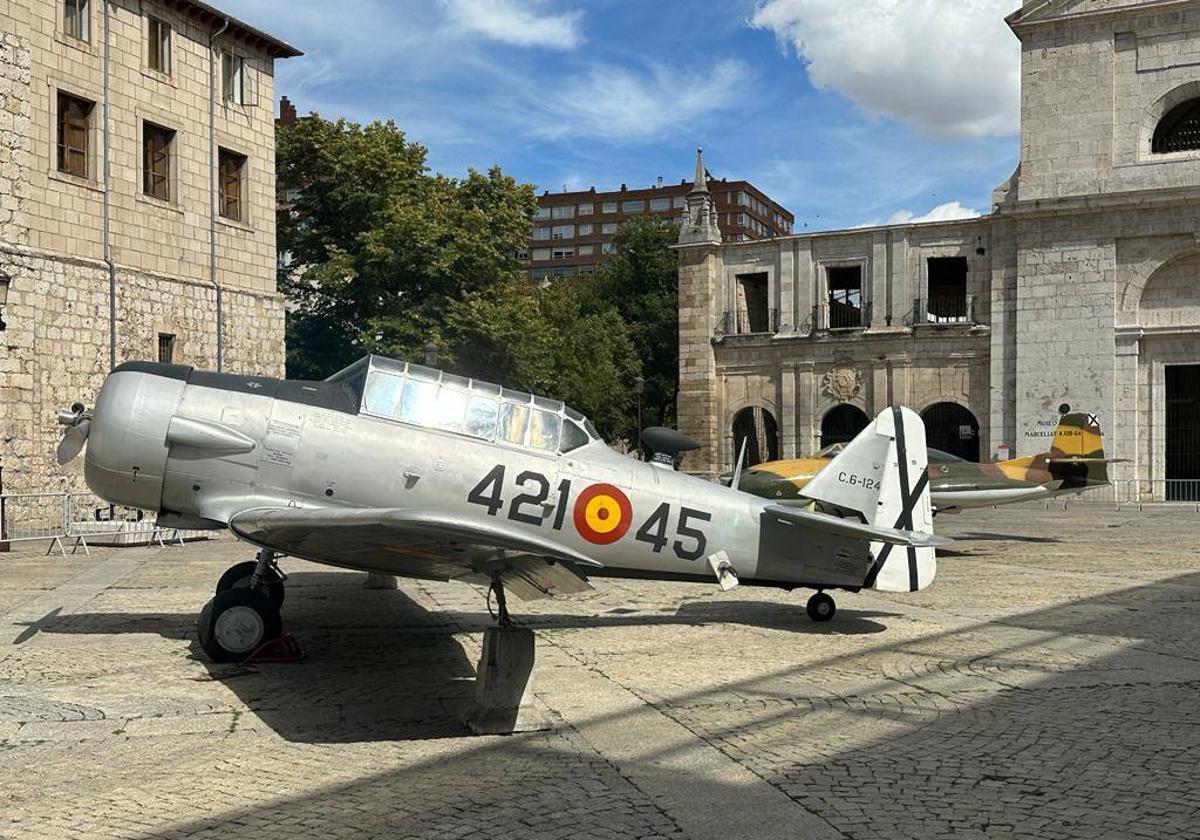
point(641, 281)
point(386, 256)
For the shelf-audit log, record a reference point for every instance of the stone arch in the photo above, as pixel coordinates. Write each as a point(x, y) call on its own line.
point(1171, 294)
point(952, 427)
point(842, 423)
point(1154, 114)
point(758, 428)
point(1176, 248)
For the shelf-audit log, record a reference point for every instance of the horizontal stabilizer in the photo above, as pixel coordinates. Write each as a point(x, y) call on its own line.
point(852, 529)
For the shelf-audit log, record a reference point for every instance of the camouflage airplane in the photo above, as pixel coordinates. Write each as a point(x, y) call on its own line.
point(402, 469)
point(1074, 463)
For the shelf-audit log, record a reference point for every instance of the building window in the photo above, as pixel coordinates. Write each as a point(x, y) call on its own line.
point(166, 348)
point(563, 271)
point(542, 213)
point(610, 207)
point(753, 304)
point(563, 232)
point(585, 230)
point(563, 211)
point(633, 206)
point(947, 301)
point(4, 281)
point(233, 75)
point(586, 209)
point(586, 250)
point(158, 46)
point(540, 254)
point(845, 296)
point(1179, 130)
point(156, 160)
point(679, 202)
point(563, 253)
point(231, 171)
point(76, 19)
point(74, 134)
point(608, 248)
point(586, 269)
point(659, 204)
point(541, 234)
point(522, 254)
point(608, 227)
point(540, 273)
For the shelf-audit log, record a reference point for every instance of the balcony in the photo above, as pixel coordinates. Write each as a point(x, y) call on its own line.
point(760, 322)
point(943, 311)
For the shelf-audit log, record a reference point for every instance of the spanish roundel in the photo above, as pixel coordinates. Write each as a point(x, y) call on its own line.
point(602, 514)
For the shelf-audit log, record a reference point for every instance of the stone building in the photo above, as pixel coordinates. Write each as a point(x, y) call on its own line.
point(1081, 287)
point(137, 206)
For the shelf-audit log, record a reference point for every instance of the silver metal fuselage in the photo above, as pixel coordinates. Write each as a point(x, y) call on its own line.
point(201, 453)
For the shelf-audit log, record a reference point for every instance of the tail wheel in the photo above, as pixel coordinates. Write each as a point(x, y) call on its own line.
point(821, 607)
point(239, 575)
point(236, 622)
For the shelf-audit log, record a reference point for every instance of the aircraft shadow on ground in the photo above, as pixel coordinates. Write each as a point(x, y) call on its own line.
point(972, 536)
point(379, 666)
point(1095, 749)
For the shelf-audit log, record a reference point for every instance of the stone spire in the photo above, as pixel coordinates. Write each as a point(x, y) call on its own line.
point(699, 226)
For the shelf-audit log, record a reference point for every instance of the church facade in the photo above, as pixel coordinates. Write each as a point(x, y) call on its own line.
point(1081, 288)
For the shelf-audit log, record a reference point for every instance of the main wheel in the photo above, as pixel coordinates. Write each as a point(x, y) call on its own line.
point(235, 622)
point(238, 577)
point(821, 607)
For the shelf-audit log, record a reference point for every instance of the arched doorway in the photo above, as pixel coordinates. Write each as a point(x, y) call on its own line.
point(757, 427)
point(952, 428)
point(842, 423)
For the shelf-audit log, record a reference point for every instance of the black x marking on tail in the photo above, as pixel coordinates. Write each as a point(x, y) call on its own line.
point(908, 503)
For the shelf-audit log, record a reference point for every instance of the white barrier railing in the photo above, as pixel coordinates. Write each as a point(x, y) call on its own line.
point(80, 518)
point(1136, 492)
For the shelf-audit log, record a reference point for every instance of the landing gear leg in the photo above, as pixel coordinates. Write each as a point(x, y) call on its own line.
point(261, 574)
point(245, 611)
point(821, 607)
point(501, 605)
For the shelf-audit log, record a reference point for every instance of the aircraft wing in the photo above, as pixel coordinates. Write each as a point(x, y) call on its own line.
point(419, 544)
point(853, 529)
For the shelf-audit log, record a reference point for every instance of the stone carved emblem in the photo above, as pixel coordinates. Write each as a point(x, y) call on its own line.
point(843, 384)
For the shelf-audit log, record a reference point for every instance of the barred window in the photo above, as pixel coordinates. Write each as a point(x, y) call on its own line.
point(1179, 130)
point(166, 348)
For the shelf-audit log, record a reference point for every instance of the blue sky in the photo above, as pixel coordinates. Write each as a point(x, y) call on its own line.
point(849, 112)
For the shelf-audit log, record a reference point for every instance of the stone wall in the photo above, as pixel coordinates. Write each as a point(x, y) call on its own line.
point(57, 347)
point(15, 143)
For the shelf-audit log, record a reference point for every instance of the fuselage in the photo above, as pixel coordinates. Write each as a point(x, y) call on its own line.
point(201, 447)
point(953, 484)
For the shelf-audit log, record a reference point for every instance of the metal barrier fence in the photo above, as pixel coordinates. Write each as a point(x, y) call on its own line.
point(80, 519)
point(1136, 492)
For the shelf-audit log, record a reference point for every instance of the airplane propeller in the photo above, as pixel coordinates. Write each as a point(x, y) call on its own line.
point(78, 421)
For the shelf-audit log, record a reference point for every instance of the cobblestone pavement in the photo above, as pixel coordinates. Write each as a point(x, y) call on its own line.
point(1047, 685)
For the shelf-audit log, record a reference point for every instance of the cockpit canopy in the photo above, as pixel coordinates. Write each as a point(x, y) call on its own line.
point(434, 399)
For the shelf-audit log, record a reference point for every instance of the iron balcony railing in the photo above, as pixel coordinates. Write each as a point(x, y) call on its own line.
point(949, 309)
point(749, 322)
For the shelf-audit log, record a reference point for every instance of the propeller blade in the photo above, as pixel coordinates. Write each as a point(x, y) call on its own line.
point(72, 442)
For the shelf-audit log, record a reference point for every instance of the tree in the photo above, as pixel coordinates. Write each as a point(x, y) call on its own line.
point(379, 247)
point(641, 281)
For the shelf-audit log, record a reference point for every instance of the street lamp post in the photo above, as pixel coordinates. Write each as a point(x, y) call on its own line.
point(639, 387)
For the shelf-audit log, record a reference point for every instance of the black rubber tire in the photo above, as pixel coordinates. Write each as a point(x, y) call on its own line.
point(821, 607)
point(250, 618)
point(238, 577)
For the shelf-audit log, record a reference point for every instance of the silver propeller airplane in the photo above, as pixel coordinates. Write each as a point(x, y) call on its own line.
point(402, 469)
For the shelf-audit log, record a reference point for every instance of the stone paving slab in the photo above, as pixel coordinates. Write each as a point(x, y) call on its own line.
point(1048, 685)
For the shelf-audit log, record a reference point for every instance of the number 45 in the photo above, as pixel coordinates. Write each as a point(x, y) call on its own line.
point(654, 531)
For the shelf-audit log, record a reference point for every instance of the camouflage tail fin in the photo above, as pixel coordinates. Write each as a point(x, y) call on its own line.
point(1076, 455)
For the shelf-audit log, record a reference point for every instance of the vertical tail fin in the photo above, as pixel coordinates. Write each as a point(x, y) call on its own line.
point(883, 475)
point(1076, 456)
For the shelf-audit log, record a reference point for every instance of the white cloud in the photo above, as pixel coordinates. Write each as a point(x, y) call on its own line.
point(948, 212)
point(618, 103)
point(516, 23)
point(948, 67)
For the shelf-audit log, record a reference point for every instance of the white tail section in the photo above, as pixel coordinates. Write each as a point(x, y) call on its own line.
point(883, 474)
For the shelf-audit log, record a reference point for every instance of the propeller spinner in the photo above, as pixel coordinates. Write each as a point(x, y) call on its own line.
point(78, 421)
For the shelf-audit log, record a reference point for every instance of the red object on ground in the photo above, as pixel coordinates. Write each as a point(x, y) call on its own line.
point(283, 649)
